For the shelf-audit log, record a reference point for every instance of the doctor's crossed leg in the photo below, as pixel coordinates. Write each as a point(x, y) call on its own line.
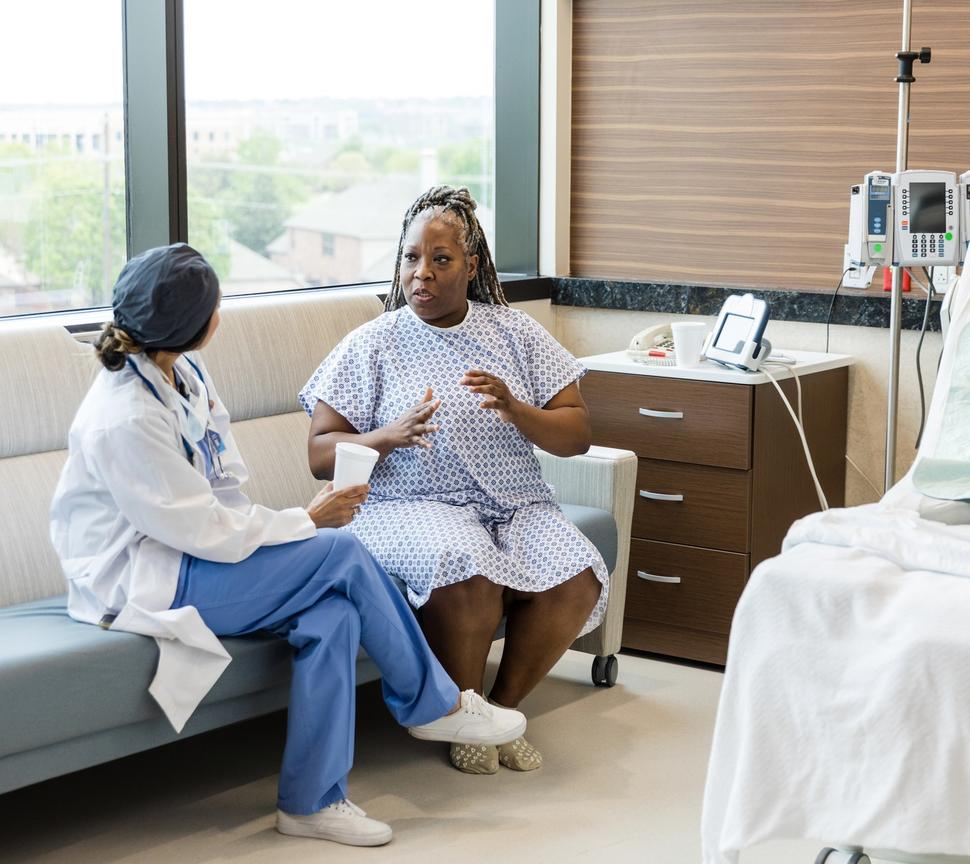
point(156, 537)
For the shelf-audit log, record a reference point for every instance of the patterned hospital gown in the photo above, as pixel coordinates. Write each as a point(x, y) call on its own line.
point(475, 501)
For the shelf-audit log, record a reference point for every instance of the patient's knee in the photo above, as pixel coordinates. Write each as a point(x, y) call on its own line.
point(580, 592)
point(472, 596)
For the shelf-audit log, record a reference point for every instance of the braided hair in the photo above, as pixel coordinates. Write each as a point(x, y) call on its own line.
point(457, 207)
point(113, 347)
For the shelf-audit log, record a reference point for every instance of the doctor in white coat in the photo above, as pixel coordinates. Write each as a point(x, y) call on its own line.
point(156, 537)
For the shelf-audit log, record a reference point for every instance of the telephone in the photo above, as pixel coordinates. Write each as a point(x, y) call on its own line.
point(656, 338)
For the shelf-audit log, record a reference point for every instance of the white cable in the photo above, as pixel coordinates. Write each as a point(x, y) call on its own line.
point(801, 433)
point(864, 476)
point(788, 364)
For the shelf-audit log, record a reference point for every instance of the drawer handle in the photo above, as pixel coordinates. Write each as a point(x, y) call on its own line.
point(653, 577)
point(659, 496)
point(662, 415)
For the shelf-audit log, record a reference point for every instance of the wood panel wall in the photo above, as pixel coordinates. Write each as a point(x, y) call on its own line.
point(714, 141)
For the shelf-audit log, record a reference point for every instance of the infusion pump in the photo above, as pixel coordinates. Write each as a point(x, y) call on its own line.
point(927, 219)
point(912, 218)
point(871, 221)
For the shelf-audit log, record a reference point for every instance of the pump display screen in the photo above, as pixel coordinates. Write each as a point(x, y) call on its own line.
point(927, 207)
point(734, 333)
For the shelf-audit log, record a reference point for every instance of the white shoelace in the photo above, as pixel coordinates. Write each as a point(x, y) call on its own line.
point(475, 704)
point(345, 807)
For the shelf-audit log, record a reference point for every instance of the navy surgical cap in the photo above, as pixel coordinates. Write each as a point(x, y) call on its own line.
point(164, 297)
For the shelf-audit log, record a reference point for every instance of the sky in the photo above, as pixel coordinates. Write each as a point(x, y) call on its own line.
point(69, 52)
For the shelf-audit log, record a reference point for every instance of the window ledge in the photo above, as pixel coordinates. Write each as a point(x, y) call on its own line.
point(518, 287)
point(852, 307)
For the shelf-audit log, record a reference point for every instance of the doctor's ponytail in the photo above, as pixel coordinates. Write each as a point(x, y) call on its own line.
point(113, 347)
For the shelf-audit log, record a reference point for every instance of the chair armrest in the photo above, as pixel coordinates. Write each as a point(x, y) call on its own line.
point(606, 478)
point(603, 477)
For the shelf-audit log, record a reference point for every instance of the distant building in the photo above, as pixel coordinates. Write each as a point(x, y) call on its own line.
point(352, 236)
point(251, 273)
point(338, 237)
point(81, 130)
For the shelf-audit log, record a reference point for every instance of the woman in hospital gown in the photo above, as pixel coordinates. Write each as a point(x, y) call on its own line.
point(454, 389)
point(156, 537)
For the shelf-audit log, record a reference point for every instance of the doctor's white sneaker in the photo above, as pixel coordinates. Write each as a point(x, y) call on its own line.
point(343, 822)
point(475, 722)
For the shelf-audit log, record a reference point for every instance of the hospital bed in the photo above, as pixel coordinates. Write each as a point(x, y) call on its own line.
point(845, 710)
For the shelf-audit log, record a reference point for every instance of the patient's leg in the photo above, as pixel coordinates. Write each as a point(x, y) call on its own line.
point(459, 622)
point(540, 627)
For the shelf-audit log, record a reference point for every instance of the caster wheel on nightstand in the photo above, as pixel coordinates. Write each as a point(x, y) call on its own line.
point(604, 670)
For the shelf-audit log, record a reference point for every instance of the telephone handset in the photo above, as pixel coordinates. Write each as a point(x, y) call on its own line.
point(656, 338)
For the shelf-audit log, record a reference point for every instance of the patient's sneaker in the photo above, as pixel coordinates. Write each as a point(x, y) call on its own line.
point(519, 755)
point(343, 822)
point(474, 758)
point(475, 722)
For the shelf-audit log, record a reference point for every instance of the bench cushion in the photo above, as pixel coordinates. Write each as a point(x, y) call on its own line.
point(60, 679)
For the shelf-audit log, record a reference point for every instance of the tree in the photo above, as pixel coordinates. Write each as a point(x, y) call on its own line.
point(259, 195)
point(468, 163)
point(74, 241)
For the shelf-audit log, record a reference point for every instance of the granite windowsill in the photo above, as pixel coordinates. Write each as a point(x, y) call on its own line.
point(852, 307)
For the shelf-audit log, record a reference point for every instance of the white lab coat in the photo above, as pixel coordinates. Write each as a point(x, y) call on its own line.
point(129, 504)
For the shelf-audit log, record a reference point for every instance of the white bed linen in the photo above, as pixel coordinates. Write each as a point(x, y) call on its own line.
point(845, 709)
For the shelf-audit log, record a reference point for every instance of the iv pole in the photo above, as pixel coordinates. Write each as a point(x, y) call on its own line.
point(906, 59)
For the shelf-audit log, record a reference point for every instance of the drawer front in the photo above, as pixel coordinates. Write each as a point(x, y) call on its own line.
point(692, 504)
point(671, 419)
point(684, 586)
point(675, 641)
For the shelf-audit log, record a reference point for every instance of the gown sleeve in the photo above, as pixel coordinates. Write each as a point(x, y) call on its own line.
point(348, 379)
point(551, 368)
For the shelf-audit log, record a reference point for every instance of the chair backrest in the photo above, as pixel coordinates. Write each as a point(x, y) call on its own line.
point(264, 352)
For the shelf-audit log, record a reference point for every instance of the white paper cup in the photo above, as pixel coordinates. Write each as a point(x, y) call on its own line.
point(688, 341)
point(353, 465)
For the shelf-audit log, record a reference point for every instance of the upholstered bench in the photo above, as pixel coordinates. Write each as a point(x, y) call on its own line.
point(73, 695)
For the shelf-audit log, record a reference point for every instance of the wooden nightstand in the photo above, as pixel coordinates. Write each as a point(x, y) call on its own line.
point(722, 476)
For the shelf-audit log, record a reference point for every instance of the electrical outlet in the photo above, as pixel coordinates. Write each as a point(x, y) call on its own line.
point(855, 277)
point(942, 278)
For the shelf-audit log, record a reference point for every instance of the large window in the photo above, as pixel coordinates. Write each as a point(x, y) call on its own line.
point(283, 139)
point(310, 130)
point(62, 183)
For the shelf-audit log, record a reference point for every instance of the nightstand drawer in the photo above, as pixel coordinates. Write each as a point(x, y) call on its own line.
point(692, 504)
point(671, 419)
point(684, 586)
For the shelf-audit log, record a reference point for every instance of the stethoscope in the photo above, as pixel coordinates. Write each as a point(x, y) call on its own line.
point(214, 445)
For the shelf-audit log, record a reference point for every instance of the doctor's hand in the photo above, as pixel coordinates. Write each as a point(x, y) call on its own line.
point(497, 395)
point(330, 509)
point(410, 428)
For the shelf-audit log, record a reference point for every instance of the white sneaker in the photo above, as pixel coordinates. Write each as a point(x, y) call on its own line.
point(475, 722)
point(343, 822)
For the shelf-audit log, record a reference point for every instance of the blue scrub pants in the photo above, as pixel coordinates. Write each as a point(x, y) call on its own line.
point(326, 596)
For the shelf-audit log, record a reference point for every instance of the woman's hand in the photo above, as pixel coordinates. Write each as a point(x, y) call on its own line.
point(330, 509)
point(410, 428)
point(497, 395)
